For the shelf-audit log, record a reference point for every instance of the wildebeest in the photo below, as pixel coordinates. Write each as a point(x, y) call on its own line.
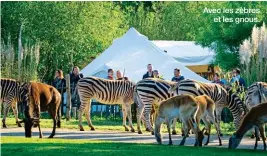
point(41, 97)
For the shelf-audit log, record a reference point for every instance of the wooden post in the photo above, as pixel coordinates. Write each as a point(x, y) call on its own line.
point(68, 106)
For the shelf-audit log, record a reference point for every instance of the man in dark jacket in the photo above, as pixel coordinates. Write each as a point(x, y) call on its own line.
point(177, 75)
point(149, 73)
point(75, 76)
point(237, 78)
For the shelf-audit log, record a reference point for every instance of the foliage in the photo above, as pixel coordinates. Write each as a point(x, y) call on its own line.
point(253, 55)
point(70, 33)
point(74, 33)
point(225, 37)
point(23, 68)
point(66, 147)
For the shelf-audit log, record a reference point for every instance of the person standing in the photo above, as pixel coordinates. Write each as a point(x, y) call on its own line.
point(110, 108)
point(177, 75)
point(110, 74)
point(216, 79)
point(237, 78)
point(75, 76)
point(157, 75)
point(60, 84)
point(119, 76)
point(149, 73)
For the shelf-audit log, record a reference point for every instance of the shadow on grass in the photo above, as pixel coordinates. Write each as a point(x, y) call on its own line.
point(107, 148)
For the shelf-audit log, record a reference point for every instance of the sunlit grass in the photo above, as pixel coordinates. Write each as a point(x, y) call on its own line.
point(48, 147)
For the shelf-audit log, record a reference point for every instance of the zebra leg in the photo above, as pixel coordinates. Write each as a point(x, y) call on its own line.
point(148, 123)
point(174, 132)
point(129, 114)
point(81, 111)
point(15, 111)
point(124, 110)
point(88, 116)
point(6, 110)
point(218, 118)
point(139, 113)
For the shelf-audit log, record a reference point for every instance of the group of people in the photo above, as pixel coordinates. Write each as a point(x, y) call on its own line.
point(59, 83)
point(118, 75)
point(236, 78)
point(155, 74)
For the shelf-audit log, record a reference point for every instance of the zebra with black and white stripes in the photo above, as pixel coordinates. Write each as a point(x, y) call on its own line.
point(12, 92)
point(106, 92)
point(256, 94)
point(218, 94)
point(149, 89)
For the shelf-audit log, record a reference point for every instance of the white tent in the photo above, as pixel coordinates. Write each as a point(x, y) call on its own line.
point(187, 52)
point(131, 53)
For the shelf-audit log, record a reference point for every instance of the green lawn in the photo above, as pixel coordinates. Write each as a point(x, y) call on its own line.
point(64, 147)
point(113, 125)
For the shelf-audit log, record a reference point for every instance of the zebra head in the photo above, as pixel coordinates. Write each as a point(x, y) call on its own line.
point(263, 91)
point(237, 107)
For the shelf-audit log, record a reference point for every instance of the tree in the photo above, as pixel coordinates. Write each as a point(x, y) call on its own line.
point(69, 32)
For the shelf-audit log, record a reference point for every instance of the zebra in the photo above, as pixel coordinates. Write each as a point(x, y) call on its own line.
point(256, 94)
point(151, 91)
point(106, 92)
point(11, 93)
point(148, 89)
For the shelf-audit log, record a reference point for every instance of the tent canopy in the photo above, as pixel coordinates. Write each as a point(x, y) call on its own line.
point(187, 52)
point(131, 53)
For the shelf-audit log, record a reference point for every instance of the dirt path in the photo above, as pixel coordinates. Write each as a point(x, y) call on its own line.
point(126, 137)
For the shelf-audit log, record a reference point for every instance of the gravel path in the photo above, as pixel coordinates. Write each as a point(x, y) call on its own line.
point(126, 137)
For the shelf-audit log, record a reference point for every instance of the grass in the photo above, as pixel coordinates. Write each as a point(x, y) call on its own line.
point(48, 147)
point(112, 125)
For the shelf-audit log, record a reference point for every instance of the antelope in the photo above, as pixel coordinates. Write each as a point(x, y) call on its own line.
point(206, 110)
point(184, 107)
point(257, 116)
